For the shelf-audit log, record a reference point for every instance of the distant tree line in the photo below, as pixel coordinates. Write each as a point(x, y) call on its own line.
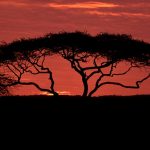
point(88, 55)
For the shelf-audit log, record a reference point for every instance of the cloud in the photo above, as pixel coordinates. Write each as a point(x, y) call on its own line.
point(60, 5)
point(119, 14)
point(29, 18)
point(82, 5)
point(13, 3)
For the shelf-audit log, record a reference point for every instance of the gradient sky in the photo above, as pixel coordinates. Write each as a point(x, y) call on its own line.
point(30, 18)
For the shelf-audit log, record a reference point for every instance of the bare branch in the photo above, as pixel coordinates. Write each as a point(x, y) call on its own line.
point(136, 86)
point(73, 65)
point(36, 61)
point(93, 73)
point(125, 72)
point(13, 71)
point(31, 83)
point(50, 75)
point(43, 60)
point(78, 65)
point(96, 67)
point(99, 67)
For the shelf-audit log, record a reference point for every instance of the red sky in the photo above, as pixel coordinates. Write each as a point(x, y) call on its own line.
point(30, 18)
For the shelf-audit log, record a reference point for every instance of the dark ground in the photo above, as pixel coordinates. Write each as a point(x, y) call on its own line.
point(75, 104)
point(72, 120)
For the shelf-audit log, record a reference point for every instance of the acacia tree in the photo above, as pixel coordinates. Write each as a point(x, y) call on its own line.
point(116, 49)
point(88, 56)
point(107, 53)
point(34, 65)
point(31, 62)
point(99, 67)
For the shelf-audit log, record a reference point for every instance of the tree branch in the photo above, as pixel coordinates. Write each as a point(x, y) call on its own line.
point(125, 72)
point(13, 71)
point(31, 83)
point(93, 73)
point(136, 86)
point(23, 67)
point(99, 67)
point(50, 76)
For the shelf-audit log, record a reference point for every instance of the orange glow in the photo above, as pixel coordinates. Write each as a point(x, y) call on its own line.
point(88, 5)
point(45, 93)
point(59, 92)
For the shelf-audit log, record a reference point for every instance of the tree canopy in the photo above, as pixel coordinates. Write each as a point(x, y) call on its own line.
point(113, 46)
point(105, 50)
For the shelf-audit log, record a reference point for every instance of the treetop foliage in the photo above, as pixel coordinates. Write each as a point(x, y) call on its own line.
point(123, 47)
point(115, 47)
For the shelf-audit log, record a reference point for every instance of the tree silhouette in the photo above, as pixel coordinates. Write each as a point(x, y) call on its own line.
point(103, 53)
point(116, 49)
point(24, 62)
point(88, 55)
point(5, 81)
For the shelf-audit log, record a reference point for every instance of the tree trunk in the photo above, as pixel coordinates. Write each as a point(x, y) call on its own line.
point(55, 94)
point(92, 92)
point(85, 85)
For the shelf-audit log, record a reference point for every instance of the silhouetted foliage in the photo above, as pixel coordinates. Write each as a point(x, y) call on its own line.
point(113, 46)
point(103, 50)
point(123, 47)
point(5, 81)
point(33, 64)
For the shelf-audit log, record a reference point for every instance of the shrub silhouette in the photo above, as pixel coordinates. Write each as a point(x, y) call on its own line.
point(104, 50)
point(4, 82)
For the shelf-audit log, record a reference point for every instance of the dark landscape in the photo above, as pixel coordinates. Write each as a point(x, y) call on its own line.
point(75, 104)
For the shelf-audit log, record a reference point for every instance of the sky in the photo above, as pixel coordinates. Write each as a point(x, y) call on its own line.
point(33, 18)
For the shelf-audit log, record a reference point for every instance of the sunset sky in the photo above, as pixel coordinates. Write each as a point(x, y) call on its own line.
point(32, 18)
